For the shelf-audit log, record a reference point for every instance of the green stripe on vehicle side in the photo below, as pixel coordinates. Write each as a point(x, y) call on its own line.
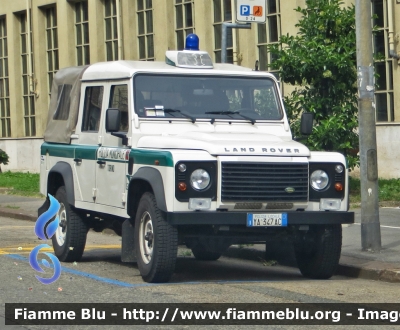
point(69, 150)
point(148, 157)
point(140, 156)
point(86, 152)
point(58, 150)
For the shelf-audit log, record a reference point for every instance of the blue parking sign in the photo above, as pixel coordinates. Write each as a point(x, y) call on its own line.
point(244, 10)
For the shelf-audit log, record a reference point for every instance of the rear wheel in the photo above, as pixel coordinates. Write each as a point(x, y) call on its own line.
point(201, 253)
point(70, 238)
point(156, 242)
point(318, 251)
point(209, 249)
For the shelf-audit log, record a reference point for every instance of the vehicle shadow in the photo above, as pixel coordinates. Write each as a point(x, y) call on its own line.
point(188, 269)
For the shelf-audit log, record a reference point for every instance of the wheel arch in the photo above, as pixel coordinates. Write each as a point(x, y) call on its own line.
point(146, 179)
point(61, 175)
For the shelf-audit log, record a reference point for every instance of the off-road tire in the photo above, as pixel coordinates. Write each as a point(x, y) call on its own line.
point(76, 230)
point(318, 251)
point(162, 242)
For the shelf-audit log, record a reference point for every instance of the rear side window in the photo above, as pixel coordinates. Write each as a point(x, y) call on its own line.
point(92, 108)
point(63, 102)
point(119, 100)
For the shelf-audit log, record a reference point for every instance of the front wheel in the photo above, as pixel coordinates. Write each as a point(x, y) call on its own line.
point(156, 242)
point(318, 251)
point(70, 237)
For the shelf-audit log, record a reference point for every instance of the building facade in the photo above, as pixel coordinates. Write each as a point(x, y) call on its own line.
point(37, 37)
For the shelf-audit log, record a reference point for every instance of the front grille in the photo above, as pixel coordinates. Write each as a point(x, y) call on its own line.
point(264, 182)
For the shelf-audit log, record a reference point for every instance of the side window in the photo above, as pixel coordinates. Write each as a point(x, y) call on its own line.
point(119, 100)
point(92, 108)
point(63, 102)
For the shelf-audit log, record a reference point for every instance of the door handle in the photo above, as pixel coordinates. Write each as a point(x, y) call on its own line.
point(78, 160)
point(101, 162)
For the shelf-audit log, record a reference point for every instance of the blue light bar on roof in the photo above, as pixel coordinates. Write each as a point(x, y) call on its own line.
point(192, 42)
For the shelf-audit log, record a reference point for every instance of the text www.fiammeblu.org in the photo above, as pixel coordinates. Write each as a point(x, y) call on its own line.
point(235, 314)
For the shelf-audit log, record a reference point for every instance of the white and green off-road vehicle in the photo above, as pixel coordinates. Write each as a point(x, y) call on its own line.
point(187, 152)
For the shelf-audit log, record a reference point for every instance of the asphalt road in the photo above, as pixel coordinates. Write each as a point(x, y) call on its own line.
point(101, 277)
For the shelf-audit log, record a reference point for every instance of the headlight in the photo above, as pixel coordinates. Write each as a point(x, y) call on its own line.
point(199, 179)
point(319, 180)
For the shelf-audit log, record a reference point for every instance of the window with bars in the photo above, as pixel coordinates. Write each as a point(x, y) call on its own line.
point(222, 13)
point(27, 95)
point(4, 82)
point(145, 29)
point(110, 17)
point(384, 101)
point(52, 44)
point(82, 33)
point(268, 34)
point(184, 21)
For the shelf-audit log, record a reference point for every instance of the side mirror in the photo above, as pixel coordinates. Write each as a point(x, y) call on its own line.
point(113, 120)
point(306, 124)
point(113, 123)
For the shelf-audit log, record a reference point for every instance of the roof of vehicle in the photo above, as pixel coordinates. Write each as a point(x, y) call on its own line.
point(126, 69)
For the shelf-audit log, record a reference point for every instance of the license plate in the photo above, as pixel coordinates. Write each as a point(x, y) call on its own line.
point(267, 220)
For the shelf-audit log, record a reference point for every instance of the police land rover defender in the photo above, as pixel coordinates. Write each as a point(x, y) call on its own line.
point(187, 152)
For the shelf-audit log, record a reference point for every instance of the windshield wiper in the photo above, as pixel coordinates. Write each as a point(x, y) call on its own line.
point(193, 119)
point(231, 113)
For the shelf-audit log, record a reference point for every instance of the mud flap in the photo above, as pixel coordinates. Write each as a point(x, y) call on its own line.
point(128, 252)
point(44, 207)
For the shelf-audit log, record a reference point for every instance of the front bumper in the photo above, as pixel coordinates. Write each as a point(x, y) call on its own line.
point(240, 218)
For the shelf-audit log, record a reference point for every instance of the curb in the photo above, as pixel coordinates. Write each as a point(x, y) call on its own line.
point(383, 273)
point(15, 214)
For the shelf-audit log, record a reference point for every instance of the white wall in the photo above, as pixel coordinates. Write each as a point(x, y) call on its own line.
point(388, 146)
point(24, 154)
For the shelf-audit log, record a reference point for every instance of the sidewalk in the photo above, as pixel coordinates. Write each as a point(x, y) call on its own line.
point(384, 266)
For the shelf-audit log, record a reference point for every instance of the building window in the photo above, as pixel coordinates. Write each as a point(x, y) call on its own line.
point(184, 21)
point(4, 82)
point(110, 17)
point(27, 95)
point(222, 13)
point(52, 44)
point(145, 30)
point(384, 101)
point(268, 34)
point(82, 33)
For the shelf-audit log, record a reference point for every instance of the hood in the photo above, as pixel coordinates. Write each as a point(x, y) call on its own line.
point(224, 144)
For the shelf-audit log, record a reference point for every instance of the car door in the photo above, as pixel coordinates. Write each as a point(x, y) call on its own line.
point(86, 142)
point(112, 156)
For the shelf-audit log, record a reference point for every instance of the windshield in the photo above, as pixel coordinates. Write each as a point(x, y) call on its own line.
point(206, 97)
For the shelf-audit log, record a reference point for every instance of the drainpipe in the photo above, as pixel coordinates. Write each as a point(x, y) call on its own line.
point(234, 44)
point(392, 51)
point(29, 47)
point(119, 29)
